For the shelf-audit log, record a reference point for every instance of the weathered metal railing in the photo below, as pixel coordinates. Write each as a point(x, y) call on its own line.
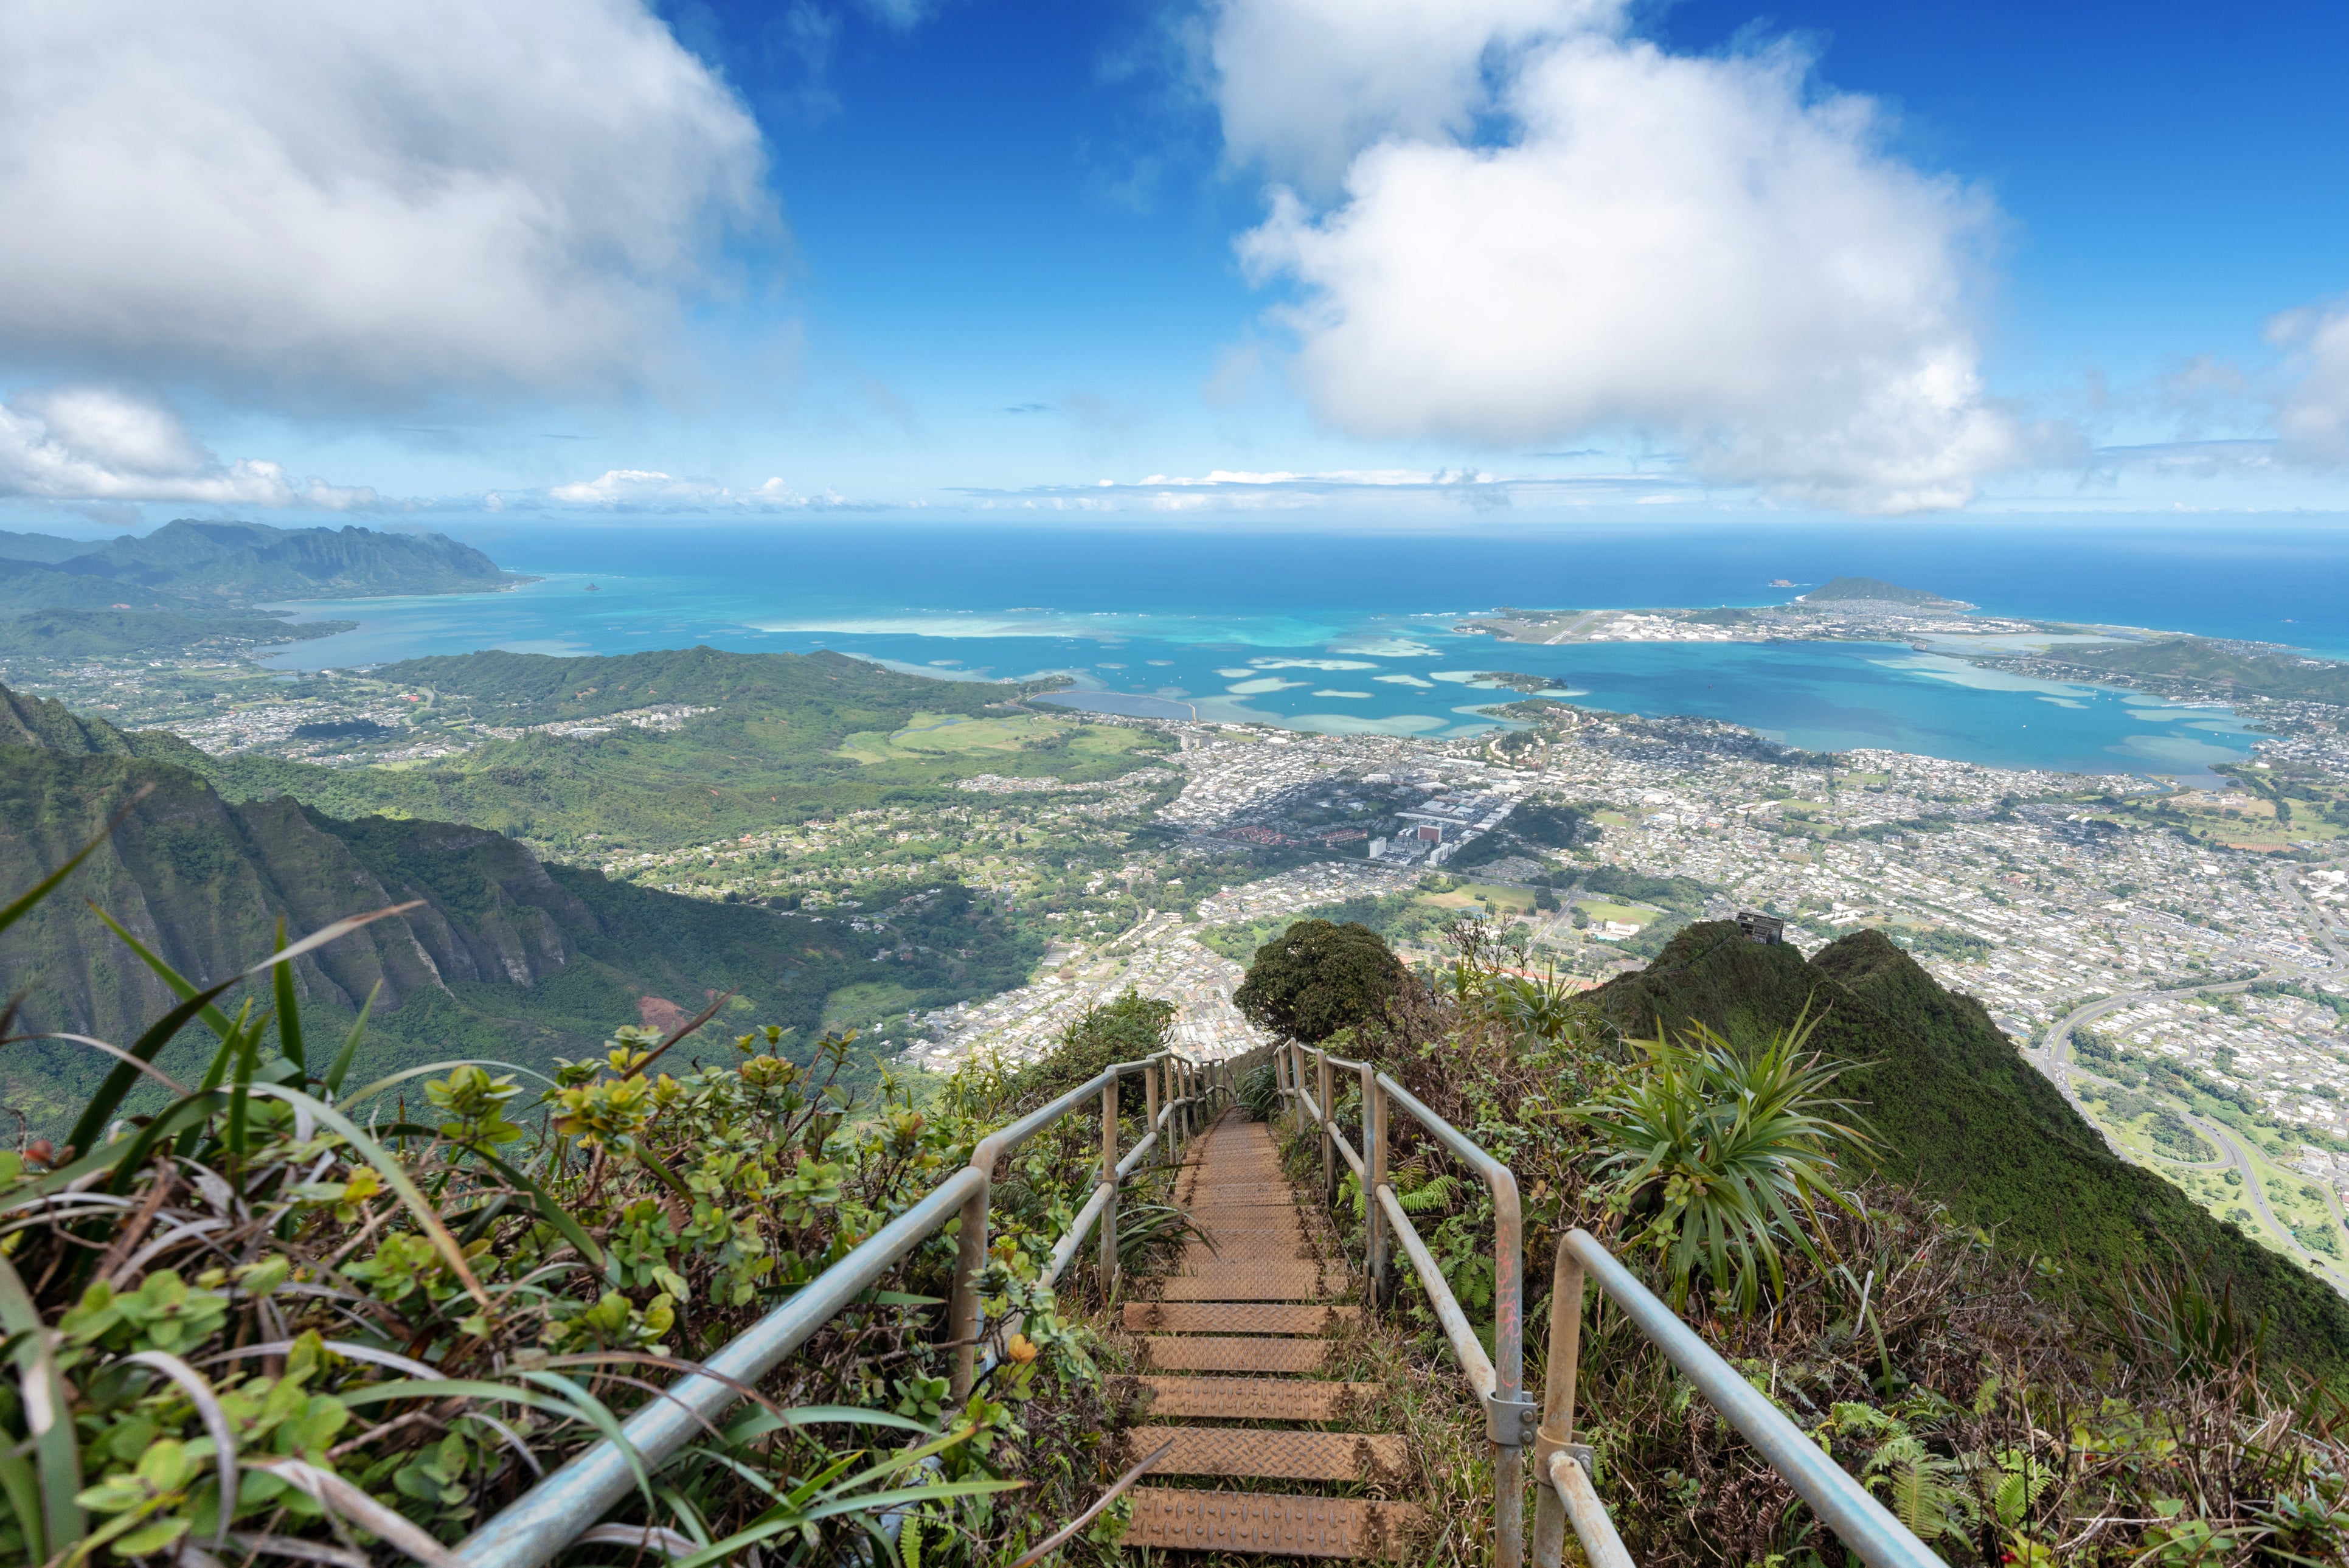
point(1858, 1521)
point(1178, 1093)
point(1497, 1379)
point(1513, 1422)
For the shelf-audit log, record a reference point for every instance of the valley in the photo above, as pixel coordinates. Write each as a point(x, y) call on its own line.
point(2168, 956)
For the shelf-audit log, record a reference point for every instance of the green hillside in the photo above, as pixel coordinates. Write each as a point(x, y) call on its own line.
point(1873, 589)
point(508, 957)
point(2279, 674)
point(791, 736)
point(1965, 1119)
point(247, 562)
point(27, 585)
point(43, 547)
point(147, 634)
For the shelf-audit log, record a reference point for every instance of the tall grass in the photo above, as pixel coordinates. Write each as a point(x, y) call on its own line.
point(290, 1315)
point(2009, 1411)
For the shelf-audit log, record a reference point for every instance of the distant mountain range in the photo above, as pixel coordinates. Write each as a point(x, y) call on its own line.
point(508, 959)
point(186, 565)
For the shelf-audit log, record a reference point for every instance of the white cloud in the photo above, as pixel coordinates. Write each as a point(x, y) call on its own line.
point(1304, 85)
point(2314, 418)
point(647, 489)
point(87, 444)
point(1699, 248)
point(371, 200)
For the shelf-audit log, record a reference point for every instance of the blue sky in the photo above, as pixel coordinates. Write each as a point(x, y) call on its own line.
point(1340, 261)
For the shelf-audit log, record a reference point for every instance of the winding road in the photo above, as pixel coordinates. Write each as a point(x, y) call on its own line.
point(2055, 1063)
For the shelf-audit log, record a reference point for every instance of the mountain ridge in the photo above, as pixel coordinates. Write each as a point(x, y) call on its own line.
point(507, 956)
point(1965, 1119)
point(191, 563)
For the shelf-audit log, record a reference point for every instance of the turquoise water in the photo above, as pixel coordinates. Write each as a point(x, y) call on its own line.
point(1352, 633)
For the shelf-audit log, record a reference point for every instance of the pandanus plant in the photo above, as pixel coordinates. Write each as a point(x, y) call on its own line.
point(1721, 1155)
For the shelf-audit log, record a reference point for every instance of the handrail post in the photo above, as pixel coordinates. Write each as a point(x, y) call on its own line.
point(1508, 1367)
point(1297, 1075)
point(1150, 1108)
point(1559, 1377)
point(1323, 1080)
point(963, 1313)
point(1109, 1178)
point(1176, 1127)
point(1374, 1173)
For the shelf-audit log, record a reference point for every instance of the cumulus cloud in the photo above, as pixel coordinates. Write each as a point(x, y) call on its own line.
point(1303, 84)
point(1702, 248)
point(648, 490)
point(2313, 417)
point(370, 200)
point(90, 444)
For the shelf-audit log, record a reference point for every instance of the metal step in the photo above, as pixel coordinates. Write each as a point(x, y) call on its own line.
point(1270, 1523)
point(1253, 1398)
point(1214, 1353)
point(1299, 1281)
point(1272, 1456)
point(1232, 1317)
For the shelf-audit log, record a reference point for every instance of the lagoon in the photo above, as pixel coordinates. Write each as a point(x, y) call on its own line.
point(1353, 633)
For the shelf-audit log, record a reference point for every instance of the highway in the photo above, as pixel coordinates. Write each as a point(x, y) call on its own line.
point(2242, 1158)
point(2053, 1061)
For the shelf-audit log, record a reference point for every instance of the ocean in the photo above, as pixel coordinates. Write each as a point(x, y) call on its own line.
point(1351, 632)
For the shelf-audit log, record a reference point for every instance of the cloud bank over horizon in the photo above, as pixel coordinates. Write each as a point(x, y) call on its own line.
point(93, 444)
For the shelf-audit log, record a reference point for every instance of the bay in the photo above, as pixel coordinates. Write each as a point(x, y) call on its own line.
point(1341, 631)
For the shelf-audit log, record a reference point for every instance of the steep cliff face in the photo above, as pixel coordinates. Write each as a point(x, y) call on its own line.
point(503, 957)
point(1963, 1118)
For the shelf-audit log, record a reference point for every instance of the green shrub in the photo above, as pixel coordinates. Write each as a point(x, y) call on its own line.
point(298, 1310)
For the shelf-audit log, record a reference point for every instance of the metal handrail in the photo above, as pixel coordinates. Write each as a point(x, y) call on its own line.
point(1842, 1503)
point(529, 1532)
point(1509, 1417)
point(1566, 1494)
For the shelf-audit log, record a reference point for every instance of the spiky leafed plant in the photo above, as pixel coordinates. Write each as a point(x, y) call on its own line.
point(1723, 1154)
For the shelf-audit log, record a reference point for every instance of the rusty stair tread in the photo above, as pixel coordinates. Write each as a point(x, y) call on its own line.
point(1271, 1523)
point(1262, 1282)
point(1232, 1353)
point(1272, 1455)
point(1235, 1317)
point(1253, 1398)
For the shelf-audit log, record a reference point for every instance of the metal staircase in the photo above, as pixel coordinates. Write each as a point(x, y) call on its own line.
point(1238, 1338)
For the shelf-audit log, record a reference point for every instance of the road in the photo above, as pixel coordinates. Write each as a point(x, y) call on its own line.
point(2059, 1071)
point(2242, 1158)
point(2050, 1059)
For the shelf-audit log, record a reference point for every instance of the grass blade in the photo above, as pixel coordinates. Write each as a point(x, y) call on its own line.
point(393, 1172)
point(358, 1097)
point(760, 1423)
point(208, 1406)
point(289, 1011)
point(48, 1414)
point(181, 987)
point(553, 1212)
point(102, 1104)
point(48, 884)
point(342, 1063)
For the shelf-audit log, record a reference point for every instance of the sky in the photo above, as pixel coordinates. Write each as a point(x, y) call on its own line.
point(1311, 262)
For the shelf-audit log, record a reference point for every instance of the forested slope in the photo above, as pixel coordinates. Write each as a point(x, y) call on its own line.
point(1965, 1119)
point(507, 957)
